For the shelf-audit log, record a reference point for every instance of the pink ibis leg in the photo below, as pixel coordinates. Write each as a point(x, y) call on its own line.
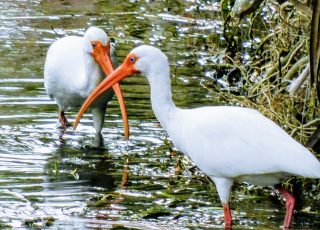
point(63, 119)
point(227, 216)
point(290, 202)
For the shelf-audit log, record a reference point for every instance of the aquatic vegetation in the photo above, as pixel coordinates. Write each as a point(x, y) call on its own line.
point(270, 55)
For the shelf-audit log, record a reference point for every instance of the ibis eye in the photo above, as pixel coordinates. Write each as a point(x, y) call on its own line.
point(93, 45)
point(132, 59)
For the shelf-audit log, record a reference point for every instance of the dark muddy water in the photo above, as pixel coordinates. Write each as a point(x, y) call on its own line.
point(59, 180)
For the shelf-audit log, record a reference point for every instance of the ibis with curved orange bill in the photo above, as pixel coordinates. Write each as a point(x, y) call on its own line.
point(228, 143)
point(74, 66)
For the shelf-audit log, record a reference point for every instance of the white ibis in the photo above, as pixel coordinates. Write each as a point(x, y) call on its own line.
point(227, 143)
point(74, 67)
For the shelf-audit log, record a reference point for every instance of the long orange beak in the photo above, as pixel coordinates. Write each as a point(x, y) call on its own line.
point(126, 69)
point(101, 54)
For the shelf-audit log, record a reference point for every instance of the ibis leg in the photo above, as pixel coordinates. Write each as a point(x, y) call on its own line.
point(227, 216)
point(290, 202)
point(224, 187)
point(63, 119)
point(98, 114)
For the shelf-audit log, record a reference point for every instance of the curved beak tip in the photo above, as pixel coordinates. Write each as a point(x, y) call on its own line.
point(111, 81)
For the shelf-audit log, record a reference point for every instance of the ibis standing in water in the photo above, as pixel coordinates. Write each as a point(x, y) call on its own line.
point(227, 143)
point(74, 67)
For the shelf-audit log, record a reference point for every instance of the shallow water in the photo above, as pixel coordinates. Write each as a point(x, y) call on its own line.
point(59, 179)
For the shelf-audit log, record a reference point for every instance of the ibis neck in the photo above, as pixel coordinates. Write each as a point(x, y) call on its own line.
point(93, 73)
point(161, 98)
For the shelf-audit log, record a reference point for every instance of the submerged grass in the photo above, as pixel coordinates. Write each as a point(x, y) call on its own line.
point(40, 223)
